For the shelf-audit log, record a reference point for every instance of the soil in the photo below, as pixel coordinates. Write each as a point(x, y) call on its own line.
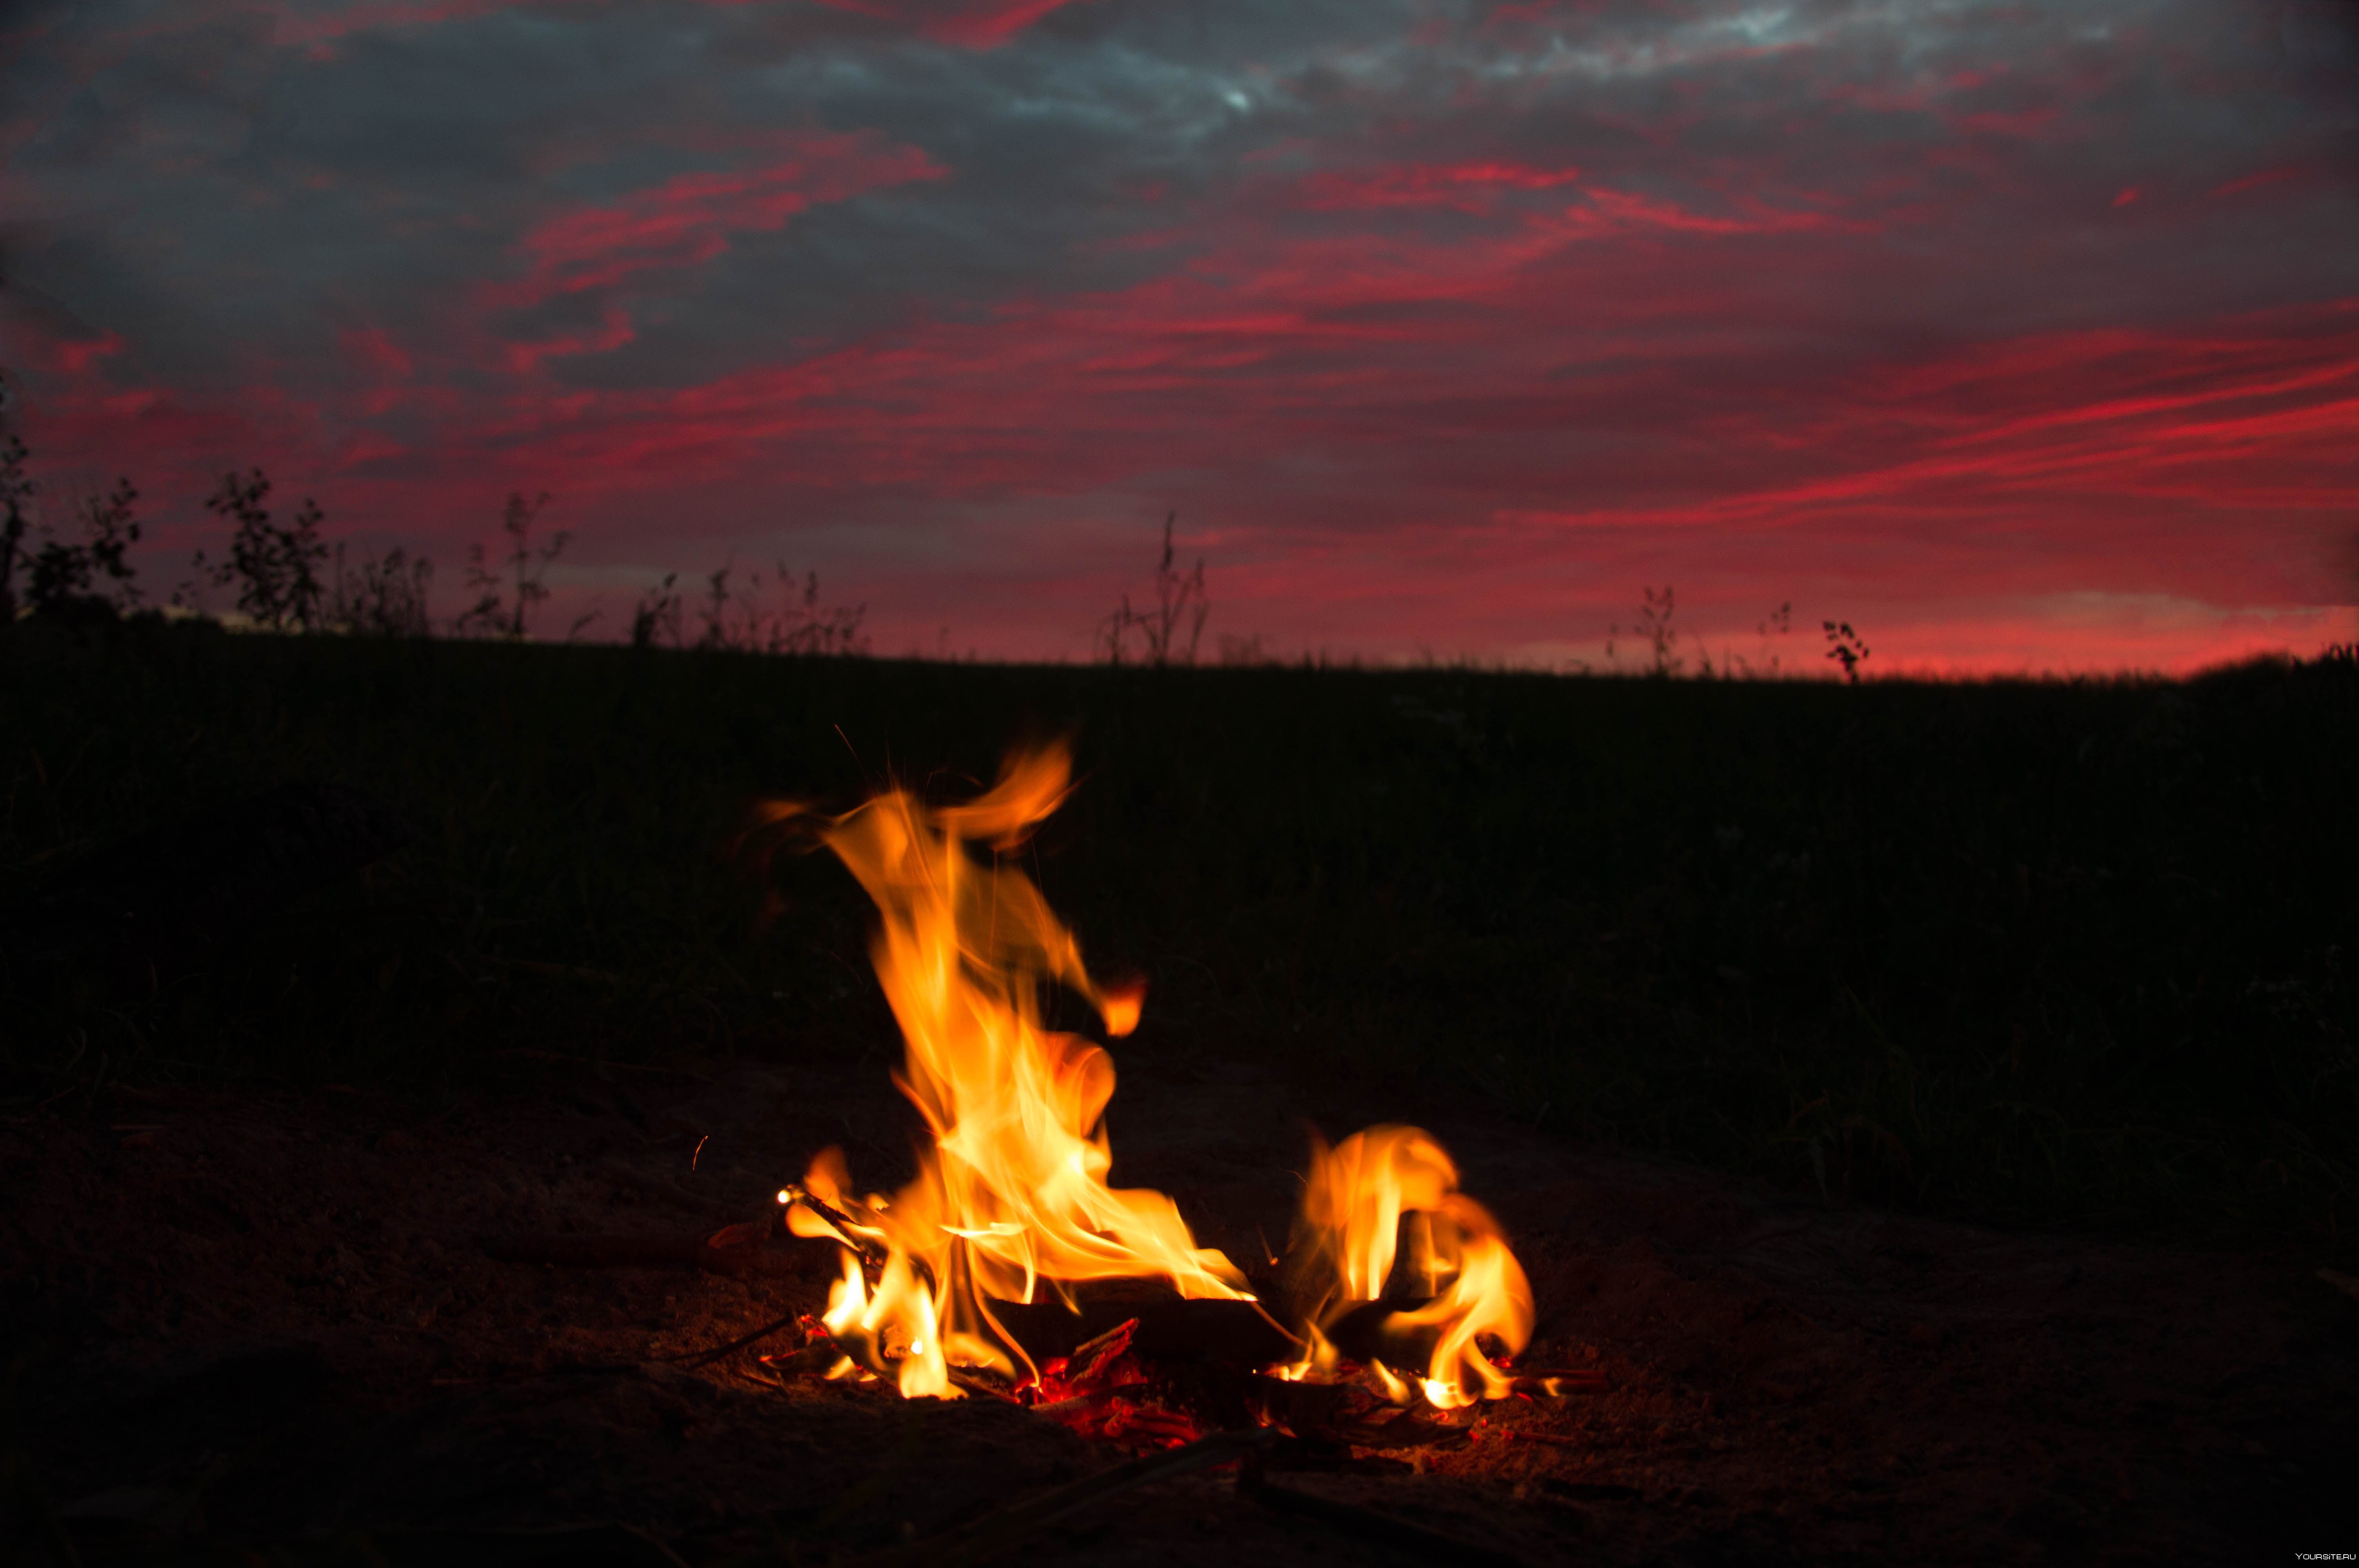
point(259, 1327)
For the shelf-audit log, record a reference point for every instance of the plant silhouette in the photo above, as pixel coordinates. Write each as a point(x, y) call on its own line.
point(1180, 599)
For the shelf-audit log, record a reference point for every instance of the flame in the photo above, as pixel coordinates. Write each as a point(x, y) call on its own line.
point(1012, 1198)
point(1361, 1199)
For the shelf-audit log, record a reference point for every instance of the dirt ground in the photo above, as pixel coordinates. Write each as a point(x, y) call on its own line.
point(263, 1327)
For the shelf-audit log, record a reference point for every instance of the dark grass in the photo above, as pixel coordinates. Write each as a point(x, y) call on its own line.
point(2051, 953)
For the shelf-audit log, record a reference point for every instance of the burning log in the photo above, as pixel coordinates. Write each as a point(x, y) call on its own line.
point(1169, 1330)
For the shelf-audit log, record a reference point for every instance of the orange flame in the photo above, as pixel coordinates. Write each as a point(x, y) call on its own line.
point(1363, 1196)
point(1012, 1196)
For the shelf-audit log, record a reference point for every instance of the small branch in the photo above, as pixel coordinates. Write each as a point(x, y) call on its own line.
point(1366, 1524)
point(670, 1192)
point(706, 1358)
point(870, 1252)
point(1003, 1530)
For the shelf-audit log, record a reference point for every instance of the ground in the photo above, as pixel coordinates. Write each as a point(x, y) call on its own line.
point(265, 1323)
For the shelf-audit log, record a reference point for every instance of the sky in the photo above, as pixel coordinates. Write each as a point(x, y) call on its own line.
point(2018, 336)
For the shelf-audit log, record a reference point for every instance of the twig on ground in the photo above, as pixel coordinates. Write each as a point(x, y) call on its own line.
point(703, 1357)
point(670, 1192)
point(1004, 1529)
point(1367, 1524)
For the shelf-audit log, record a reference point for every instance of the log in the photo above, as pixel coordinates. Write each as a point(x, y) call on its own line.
point(1362, 1335)
point(1169, 1330)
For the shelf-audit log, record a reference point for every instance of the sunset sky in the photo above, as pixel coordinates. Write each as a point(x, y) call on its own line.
point(2021, 336)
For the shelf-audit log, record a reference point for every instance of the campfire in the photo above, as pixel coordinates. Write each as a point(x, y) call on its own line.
point(985, 1273)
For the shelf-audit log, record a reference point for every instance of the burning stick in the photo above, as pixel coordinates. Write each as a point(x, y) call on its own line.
point(846, 1229)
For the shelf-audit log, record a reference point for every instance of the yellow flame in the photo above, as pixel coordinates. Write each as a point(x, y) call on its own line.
point(1011, 1195)
point(1362, 1198)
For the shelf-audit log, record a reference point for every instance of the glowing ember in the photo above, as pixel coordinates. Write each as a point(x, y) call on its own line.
point(1011, 1199)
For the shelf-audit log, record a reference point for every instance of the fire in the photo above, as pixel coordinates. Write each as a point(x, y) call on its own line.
point(1012, 1199)
point(1362, 1197)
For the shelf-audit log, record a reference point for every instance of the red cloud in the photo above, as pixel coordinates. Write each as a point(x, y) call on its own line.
point(977, 23)
point(1468, 187)
point(2254, 181)
point(688, 219)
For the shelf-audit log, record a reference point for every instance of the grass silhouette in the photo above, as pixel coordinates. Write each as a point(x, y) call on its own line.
point(2039, 951)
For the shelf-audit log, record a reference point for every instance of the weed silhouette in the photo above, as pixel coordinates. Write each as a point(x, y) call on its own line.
point(385, 598)
point(1845, 646)
point(1179, 599)
point(64, 575)
point(506, 595)
point(276, 569)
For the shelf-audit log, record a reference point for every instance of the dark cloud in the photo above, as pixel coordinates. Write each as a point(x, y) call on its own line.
point(1441, 323)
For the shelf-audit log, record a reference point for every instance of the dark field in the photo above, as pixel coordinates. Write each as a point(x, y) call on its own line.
point(2069, 961)
point(2039, 953)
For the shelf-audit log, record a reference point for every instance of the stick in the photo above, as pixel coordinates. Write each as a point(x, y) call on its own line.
point(983, 1386)
point(702, 1358)
point(1003, 1530)
point(1367, 1524)
point(870, 1254)
point(670, 1192)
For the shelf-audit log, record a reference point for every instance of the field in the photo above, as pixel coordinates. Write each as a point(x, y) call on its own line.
point(2036, 954)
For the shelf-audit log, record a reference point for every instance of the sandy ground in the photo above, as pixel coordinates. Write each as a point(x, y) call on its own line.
point(263, 1324)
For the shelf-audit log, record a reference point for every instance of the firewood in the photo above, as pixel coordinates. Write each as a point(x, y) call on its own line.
point(1169, 1330)
point(871, 1254)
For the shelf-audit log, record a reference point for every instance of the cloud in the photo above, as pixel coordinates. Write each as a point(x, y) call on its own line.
point(1441, 323)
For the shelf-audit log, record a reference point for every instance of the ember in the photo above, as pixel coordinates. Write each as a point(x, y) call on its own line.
point(1010, 1206)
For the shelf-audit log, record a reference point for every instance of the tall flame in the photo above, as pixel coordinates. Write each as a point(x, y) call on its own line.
point(1012, 1195)
point(1012, 1198)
